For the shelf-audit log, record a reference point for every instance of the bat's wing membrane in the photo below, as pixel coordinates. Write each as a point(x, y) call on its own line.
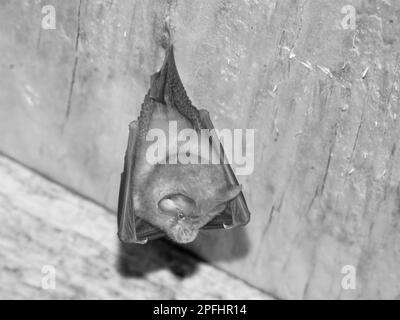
point(236, 213)
point(132, 229)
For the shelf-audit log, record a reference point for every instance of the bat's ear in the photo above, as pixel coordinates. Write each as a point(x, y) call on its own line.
point(132, 229)
point(236, 212)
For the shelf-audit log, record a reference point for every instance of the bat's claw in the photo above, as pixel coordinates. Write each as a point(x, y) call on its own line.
point(142, 241)
point(227, 227)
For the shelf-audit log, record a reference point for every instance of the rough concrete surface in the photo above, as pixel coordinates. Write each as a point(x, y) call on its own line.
point(57, 245)
point(324, 101)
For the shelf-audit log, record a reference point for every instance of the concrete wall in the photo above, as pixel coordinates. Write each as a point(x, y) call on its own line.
point(324, 101)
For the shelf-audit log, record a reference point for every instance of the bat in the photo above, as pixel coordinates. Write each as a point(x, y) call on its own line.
point(175, 199)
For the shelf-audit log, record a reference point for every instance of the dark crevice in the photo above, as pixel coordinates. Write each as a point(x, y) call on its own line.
point(72, 82)
point(328, 164)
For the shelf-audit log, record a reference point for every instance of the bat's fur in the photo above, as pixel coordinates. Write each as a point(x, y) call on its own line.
point(205, 184)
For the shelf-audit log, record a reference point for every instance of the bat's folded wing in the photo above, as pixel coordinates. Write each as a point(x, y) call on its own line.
point(236, 213)
point(132, 229)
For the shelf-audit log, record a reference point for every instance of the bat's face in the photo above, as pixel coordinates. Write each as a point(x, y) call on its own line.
point(183, 216)
point(181, 199)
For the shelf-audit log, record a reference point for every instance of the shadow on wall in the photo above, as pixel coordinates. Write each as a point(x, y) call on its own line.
point(137, 260)
point(222, 245)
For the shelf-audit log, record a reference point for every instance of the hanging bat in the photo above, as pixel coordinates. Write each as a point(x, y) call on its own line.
point(176, 200)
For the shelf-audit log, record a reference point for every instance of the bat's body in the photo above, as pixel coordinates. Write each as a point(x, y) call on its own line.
point(181, 199)
point(174, 199)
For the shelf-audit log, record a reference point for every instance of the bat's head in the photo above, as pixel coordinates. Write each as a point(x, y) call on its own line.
point(186, 216)
point(181, 199)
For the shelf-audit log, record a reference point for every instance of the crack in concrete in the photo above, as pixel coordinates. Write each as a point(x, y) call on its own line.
point(72, 82)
